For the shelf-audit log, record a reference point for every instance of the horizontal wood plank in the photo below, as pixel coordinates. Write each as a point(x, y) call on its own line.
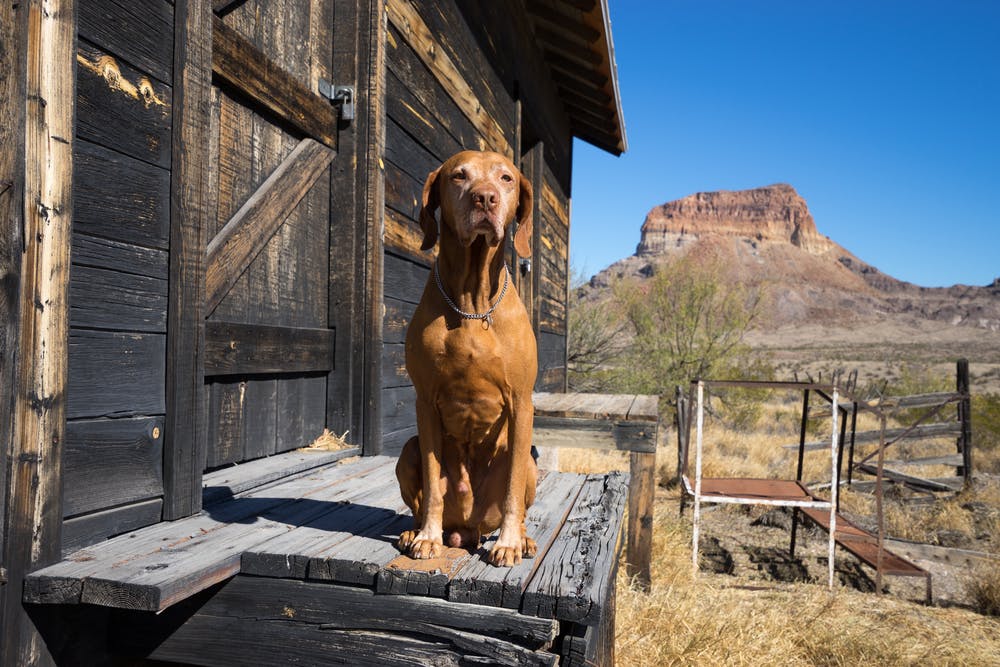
point(108, 299)
point(412, 27)
point(596, 406)
point(141, 33)
point(127, 258)
point(171, 561)
point(225, 483)
point(233, 348)
point(347, 608)
point(122, 108)
point(118, 197)
point(570, 582)
point(88, 529)
point(111, 462)
point(479, 582)
point(242, 65)
point(115, 374)
point(595, 434)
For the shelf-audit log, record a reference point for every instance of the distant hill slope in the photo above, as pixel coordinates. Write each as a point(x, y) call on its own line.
point(766, 236)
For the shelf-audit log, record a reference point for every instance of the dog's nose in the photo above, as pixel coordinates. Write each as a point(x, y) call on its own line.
point(485, 197)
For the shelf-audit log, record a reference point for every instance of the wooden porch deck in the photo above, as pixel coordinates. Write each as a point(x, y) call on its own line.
point(337, 524)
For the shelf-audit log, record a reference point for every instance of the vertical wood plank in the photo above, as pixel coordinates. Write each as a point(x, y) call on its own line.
point(43, 82)
point(11, 195)
point(965, 417)
point(185, 444)
point(535, 163)
point(373, 211)
point(348, 224)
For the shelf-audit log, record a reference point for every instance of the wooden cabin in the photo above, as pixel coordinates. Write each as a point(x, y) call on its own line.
point(209, 251)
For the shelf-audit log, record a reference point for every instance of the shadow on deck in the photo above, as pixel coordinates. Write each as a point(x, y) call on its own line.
point(302, 567)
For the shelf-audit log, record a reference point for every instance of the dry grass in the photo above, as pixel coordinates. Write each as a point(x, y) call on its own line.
point(983, 588)
point(688, 621)
point(711, 620)
point(329, 441)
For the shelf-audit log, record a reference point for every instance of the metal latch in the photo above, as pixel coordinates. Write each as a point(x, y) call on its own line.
point(342, 95)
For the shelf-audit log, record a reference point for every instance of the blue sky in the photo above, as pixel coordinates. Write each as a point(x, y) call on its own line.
point(884, 115)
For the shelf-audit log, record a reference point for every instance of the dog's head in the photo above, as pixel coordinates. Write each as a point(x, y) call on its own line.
point(479, 194)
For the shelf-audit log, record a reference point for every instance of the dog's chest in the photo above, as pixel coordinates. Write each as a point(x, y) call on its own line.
point(468, 381)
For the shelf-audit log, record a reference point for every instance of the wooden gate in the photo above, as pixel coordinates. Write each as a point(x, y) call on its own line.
point(269, 341)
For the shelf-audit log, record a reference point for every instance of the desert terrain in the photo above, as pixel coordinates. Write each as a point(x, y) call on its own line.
point(825, 312)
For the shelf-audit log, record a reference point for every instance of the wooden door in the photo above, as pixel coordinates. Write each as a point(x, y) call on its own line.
point(269, 343)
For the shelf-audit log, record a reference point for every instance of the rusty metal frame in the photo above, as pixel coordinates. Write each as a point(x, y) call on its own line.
point(827, 391)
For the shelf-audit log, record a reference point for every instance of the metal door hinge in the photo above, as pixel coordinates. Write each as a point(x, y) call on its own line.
point(341, 95)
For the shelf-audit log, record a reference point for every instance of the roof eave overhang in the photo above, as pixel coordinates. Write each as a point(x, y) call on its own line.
point(575, 37)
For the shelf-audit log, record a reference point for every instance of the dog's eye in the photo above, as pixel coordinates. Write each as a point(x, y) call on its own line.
point(507, 178)
point(458, 175)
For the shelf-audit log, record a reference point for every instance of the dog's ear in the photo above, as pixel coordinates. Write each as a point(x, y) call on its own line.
point(429, 205)
point(525, 207)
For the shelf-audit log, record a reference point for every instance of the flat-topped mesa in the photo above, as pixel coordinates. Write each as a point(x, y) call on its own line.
point(775, 213)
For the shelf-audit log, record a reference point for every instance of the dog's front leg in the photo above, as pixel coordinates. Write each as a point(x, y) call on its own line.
point(513, 542)
point(428, 543)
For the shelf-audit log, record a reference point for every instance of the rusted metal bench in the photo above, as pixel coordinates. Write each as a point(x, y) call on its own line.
point(790, 493)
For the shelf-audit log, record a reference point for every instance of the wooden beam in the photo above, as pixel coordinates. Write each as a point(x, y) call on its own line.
point(12, 30)
point(348, 221)
point(243, 349)
point(641, 497)
point(595, 434)
point(184, 437)
point(249, 230)
point(964, 418)
point(372, 186)
point(570, 47)
point(36, 283)
point(567, 83)
point(403, 15)
point(560, 20)
point(242, 65)
point(558, 61)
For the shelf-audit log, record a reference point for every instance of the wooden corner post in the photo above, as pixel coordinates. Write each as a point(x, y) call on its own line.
point(184, 437)
point(373, 182)
point(36, 187)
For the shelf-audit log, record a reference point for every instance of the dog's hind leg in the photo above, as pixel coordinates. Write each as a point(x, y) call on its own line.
point(408, 473)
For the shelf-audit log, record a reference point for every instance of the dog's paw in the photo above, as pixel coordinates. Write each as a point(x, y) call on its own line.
point(406, 538)
point(504, 556)
point(528, 547)
point(422, 548)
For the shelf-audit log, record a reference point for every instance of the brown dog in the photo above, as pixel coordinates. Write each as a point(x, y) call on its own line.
point(471, 353)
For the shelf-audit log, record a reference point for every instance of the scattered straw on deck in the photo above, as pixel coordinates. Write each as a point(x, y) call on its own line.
point(328, 442)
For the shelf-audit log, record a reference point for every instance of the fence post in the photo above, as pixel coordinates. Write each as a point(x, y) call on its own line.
point(965, 417)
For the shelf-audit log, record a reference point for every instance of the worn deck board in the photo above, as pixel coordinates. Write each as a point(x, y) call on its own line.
point(338, 523)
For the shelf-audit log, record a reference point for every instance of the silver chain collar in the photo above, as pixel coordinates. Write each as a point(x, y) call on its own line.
point(486, 317)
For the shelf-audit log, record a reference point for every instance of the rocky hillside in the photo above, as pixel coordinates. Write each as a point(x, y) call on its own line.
point(766, 236)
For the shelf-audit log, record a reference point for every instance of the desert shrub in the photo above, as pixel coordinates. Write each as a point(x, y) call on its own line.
point(689, 322)
point(986, 421)
point(917, 378)
point(983, 589)
point(686, 321)
point(597, 338)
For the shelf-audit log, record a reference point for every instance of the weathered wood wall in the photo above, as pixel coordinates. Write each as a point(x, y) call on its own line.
point(552, 275)
point(120, 262)
point(451, 86)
